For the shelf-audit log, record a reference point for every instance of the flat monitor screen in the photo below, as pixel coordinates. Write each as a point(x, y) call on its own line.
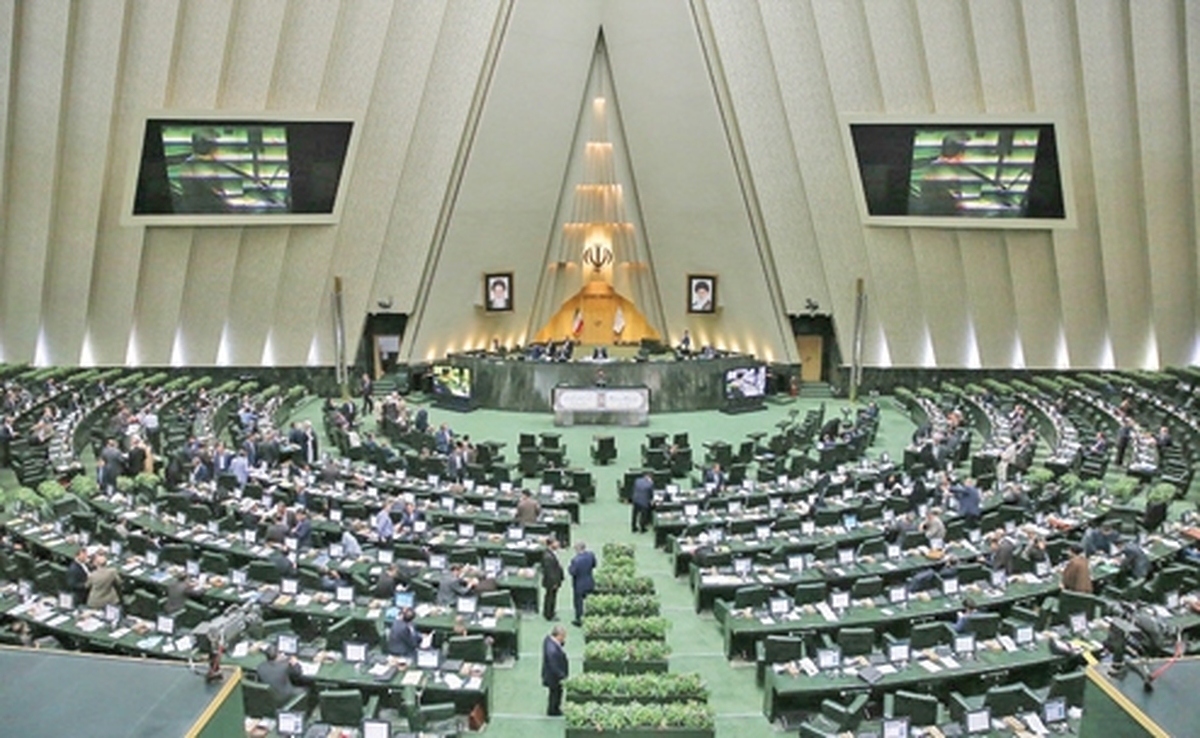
point(222, 172)
point(386, 555)
point(376, 729)
point(467, 605)
point(165, 624)
point(743, 565)
point(962, 174)
point(780, 606)
point(355, 652)
point(1024, 635)
point(999, 579)
point(344, 593)
point(1055, 710)
point(451, 381)
point(839, 600)
point(288, 643)
point(289, 586)
point(898, 652)
point(437, 561)
point(898, 594)
point(1079, 622)
point(239, 577)
point(829, 658)
point(745, 382)
point(979, 721)
point(336, 550)
point(428, 658)
point(845, 556)
point(290, 723)
point(466, 530)
point(796, 563)
point(895, 728)
point(949, 587)
point(964, 643)
point(192, 568)
point(404, 599)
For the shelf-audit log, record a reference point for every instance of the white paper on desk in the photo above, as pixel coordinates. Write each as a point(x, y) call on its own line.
point(58, 620)
point(120, 633)
point(950, 662)
point(767, 620)
point(411, 679)
point(303, 600)
point(89, 625)
point(929, 666)
point(1007, 643)
point(474, 683)
point(1034, 723)
point(807, 665)
point(184, 643)
point(240, 650)
point(453, 681)
point(379, 669)
point(309, 668)
point(374, 613)
point(886, 669)
point(487, 622)
point(889, 566)
point(332, 606)
point(827, 612)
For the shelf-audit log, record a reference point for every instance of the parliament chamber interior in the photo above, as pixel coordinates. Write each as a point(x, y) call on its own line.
point(604, 368)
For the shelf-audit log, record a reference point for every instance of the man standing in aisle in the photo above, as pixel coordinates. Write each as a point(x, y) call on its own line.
point(555, 667)
point(641, 497)
point(552, 578)
point(582, 582)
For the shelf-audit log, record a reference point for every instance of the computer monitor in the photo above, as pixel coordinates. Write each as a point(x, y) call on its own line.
point(291, 543)
point(289, 586)
point(898, 652)
point(780, 606)
point(829, 658)
point(808, 527)
point(467, 605)
point(238, 576)
point(420, 526)
point(895, 728)
point(404, 599)
point(112, 613)
point(466, 530)
point(355, 652)
point(376, 729)
point(735, 507)
point(344, 593)
point(1079, 622)
point(796, 563)
point(288, 643)
point(1041, 568)
point(691, 510)
point(974, 535)
point(115, 548)
point(428, 658)
point(516, 533)
point(66, 601)
point(290, 723)
point(978, 721)
point(898, 594)
point(999, 579)
point(839, 599)
point(1054, 711)
point(743, 565)
point(936, 544)
point(165, 624)
point(192, 567)
point(250, 537)
point(893, 550)
point(762, 532)
point(335, 515)
point(1024, 635)
point(850, 521)
point(386, 556)
point(437, 561)
point(950, 586)
point(151, 557)
point(845, 556)
point(964, 644)
point(1172, 599)
point(336, 550)
point(492, 564)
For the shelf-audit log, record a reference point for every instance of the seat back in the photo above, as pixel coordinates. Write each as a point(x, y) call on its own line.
point(809, 593)
point(921, 709)
point(928, 635)
point(1069, 686)
point(856, 641)
point(341, 706)
point(753, 596)
point(502, 598)
point(777, 649)
point(984, 625)
point(867, 587)
point(257, 700)
point(1011, 699)
point(467, 648)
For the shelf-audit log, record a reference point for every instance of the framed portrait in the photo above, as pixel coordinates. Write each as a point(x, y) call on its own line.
point(702, 293)
point(498, 292)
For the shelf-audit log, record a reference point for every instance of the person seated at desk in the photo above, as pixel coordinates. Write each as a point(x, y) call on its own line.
point(281, 561)
point(280, 672)
point(350, 545)
point(404, 640)
point(1077, 575)
point(685, 343)
point(528, 509)
point(708, 352)
point(899, 529)
point(932, 578)
point(1100, 540)
point(1035, 550)
point(178, 590)
point(453, 585)
point(330, 579)
point(1135, 564)
point(302, 530)
point(1099, 447)
point(600, 353)
point(385, 585)
point(1003, 549)
point(410, 517)
point(715, 477)
point(964, 617)
point(932, 526)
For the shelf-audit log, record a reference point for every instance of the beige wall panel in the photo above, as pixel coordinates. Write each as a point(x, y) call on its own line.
point(695, 218)
point(1160, 84)
point(805, 88)
point(94, 57)
point(8, 45)
point(1031, 303)
point(991, 313)
point(1108, 96)
point(1054, 69)
point(256, 276)
point(298, 76)
point(385, 144)
point(252, 54)
point(34, 120)
point(141, 86)
point(160, 282)
point(755, 92)
point(1036, 302)
point(505, 208)
point(1191, 14)
point(429, 159)
point(205, 303)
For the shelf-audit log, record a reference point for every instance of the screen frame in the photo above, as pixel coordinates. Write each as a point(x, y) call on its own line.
point(136, 138)
point(1032, 119)
point(694, 280)
point(507, 279)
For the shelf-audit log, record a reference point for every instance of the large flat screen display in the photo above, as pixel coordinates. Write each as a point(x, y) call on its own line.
point(197, 171)
point(745, 382)
point(451, 381)
point(960, 174)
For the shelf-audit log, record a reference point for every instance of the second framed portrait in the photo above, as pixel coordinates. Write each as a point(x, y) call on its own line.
point(702, 293)
point(498, 292)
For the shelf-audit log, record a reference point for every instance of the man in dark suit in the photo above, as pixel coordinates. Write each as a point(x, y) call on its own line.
point(552, 578)
point(642, 496)
point(452, 585)
point(278, 671)
point(77, 577)
point(7, 434)
point(302, 530)
point(582, 583)
point(715, 477)
point(555, 667)
point(403, 638)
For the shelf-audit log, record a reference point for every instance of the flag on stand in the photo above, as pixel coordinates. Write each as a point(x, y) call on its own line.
point(619, 321)
point(577, 322)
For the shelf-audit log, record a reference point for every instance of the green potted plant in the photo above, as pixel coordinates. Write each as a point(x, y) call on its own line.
point(626, 657)
point(56, 497)
point(623, 689)
point(601, 628)
point(145, 484)
point(84, 486)
point(1123, 489)
point(637, 720)
point(25, 501)
point(622, 604)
